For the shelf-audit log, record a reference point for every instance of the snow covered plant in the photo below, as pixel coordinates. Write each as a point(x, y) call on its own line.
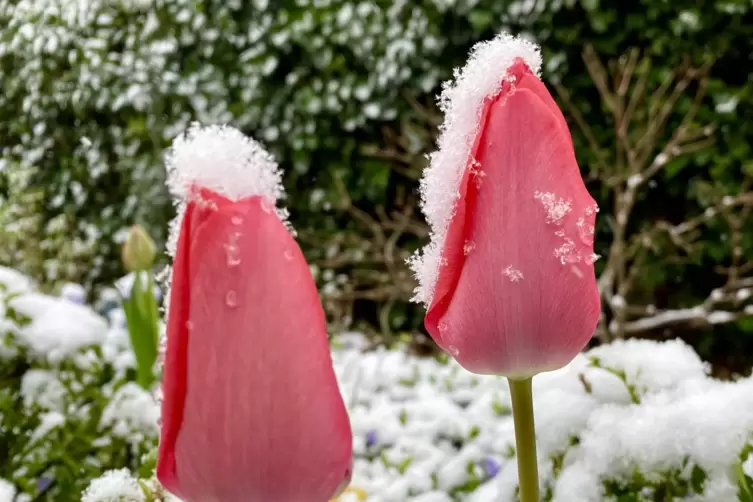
point(69, 408)
point(508, 277)
point(634, 421)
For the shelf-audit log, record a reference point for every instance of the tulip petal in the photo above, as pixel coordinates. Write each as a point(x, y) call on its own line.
point(262, 416)
point(524, 298)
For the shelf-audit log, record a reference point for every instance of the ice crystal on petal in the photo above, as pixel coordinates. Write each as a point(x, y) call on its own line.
point(513, 274)
point(461, 101)
point(556, 208)
point(565, 252)
point(591, 259)
point(591, 210)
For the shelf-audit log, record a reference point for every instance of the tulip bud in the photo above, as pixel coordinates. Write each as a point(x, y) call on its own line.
point(508, 278)
point(251, 408)
point(139, 250)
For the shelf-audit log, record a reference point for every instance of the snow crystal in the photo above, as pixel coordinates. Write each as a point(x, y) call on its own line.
point(556, 208)
point(114, 486)
point(513, 274)
point(224, 160)
point(461, 101)
point(58, 327)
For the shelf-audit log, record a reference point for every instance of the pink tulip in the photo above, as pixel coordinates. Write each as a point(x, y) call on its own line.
point(508, 278)
point(251, 408)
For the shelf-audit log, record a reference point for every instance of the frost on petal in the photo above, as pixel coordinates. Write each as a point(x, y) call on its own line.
point(462, 102)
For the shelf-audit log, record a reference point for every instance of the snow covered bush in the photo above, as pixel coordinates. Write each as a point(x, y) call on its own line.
point(69, 408)
point(343, 94)
point(633, 421)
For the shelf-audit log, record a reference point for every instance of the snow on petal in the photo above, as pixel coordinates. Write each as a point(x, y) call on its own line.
point(462, 101)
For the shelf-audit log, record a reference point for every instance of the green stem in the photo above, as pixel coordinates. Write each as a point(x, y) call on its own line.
point(525, 439)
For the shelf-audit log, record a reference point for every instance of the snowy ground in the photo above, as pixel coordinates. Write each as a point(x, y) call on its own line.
point(428, 431)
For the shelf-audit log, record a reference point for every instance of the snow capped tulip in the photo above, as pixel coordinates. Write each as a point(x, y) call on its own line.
point(508, 277)
point(251, 408)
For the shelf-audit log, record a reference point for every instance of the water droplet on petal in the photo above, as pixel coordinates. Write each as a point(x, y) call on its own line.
point(454, 351)
point(442, 326)
point(236, 219)
point(468, 247)
point(231, 299)
point(266, 206)
point(288, 254)
point(586, 232)
point(577, 272)
point(189, 325)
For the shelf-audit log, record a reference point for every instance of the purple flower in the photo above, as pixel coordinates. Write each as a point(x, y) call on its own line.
point(370, 439)
point(44, 483)
point(490, 466)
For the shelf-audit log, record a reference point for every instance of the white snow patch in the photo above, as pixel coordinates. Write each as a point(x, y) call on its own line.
point(461, 101)
point(114, 486)
point(131, 411)
point(14, 282)
point(224, 160)
point(7, 491)
point(58, 327)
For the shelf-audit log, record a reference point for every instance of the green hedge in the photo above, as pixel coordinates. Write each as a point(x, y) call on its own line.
point(343, 94)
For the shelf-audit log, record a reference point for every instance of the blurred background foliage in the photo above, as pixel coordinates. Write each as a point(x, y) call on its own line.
point(343, 93)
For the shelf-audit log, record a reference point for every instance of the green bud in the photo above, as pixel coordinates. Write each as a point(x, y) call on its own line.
point(139, 250)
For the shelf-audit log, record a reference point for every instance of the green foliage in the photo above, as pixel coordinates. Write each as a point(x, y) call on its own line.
point(142, 318)
point(62, 422)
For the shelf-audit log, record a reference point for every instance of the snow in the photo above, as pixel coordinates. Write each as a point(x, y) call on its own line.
point(114, 486)
point(43, 388)
point(58, 327)
point(131, 412)
point(222, 159)
point(14, 282)
point(461, 101)
point(7, 491)
point(47, 422)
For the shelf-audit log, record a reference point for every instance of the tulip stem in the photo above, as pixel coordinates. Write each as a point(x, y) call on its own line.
point(525, 439)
